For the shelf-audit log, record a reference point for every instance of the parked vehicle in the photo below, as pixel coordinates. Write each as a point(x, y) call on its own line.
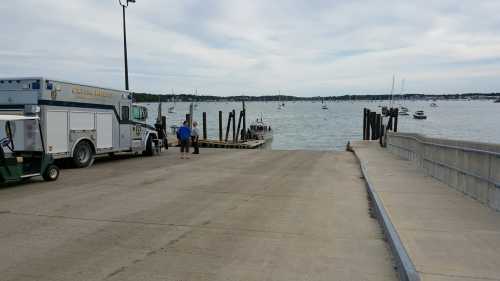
point(79, 121)
point(260, 130)
point(22, 153)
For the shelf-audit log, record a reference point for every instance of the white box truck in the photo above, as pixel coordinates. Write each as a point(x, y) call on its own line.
point(80, 121)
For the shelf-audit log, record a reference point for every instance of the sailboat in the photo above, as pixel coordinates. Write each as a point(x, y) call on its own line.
point(195, 102)
point(385, 109)
point(403, 111)
point(323, 105)
point(172, 108)
point(281, 104)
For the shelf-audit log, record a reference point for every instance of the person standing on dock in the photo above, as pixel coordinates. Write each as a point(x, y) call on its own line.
point(195, 136)
point(184, 133)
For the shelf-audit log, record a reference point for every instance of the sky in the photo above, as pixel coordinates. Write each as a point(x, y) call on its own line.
point(258, 47)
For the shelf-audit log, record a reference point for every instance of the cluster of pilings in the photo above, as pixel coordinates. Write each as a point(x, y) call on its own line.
point(239, 133)
point(373, 126)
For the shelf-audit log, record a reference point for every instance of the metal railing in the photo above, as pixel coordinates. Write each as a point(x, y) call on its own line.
point(420, 140)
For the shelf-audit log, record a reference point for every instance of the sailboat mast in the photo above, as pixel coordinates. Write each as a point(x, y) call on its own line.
point(392, 88)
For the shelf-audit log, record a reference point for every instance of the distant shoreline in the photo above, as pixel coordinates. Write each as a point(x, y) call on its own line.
point(145, 97)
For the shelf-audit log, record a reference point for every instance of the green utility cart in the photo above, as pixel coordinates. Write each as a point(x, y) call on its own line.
point(22, 150)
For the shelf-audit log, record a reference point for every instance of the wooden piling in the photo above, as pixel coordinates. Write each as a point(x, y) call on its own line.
point(244, 135)
point(220, 125)
point(378, 125)
point(164, 122)
point(364, 123)
point(164, 130)
point(373, 117)
point(396, 115)
point(228, 125)
point(381, 137)
point(191, 114)
point(367, 127)
point(204, 125)
point(234, 125)
point(239, 124)
point(389, 123)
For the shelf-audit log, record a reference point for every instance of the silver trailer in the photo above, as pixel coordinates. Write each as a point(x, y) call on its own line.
point(80, 121)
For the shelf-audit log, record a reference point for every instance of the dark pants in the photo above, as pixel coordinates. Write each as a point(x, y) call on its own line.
point(194, 141)
point(185, 146)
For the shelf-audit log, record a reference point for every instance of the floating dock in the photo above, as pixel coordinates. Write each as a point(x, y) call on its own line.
point(250, 144)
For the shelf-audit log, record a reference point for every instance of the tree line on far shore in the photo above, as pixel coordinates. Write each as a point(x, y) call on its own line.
point(147, 97)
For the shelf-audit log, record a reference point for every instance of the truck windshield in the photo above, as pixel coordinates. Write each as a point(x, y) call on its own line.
point(139, 113)
point(20, 135)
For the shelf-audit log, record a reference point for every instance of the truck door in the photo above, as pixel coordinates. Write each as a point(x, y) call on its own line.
point(125, 127)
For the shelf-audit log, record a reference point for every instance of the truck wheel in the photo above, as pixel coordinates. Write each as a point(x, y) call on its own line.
point(150, 147)
point(51, 173)
point(83, 155)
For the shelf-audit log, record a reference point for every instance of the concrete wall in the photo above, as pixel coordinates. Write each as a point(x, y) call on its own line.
point(470, 167)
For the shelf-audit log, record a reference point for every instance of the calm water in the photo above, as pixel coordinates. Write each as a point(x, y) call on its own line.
point(304, 125)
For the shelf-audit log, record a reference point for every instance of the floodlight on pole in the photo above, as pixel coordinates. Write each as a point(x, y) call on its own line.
point(124, 4)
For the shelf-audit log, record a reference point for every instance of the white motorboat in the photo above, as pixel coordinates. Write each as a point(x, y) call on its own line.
point(260, 130)
point(403, 111)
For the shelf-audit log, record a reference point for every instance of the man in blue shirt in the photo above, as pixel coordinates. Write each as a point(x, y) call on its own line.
point(184, 133)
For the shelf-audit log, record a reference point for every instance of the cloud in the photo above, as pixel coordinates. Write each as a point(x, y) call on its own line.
point(258, 47)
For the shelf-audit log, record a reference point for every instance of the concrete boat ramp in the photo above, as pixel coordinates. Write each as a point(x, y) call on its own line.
point(243, 215)
point(226, 215)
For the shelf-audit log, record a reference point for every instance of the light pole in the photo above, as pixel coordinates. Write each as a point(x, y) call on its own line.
point(124, 4)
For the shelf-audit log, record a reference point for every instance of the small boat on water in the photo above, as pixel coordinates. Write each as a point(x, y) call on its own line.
point(497, 100)
point(403, 111)
point(260, 130)
point(419, 115)
point(433, 104)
